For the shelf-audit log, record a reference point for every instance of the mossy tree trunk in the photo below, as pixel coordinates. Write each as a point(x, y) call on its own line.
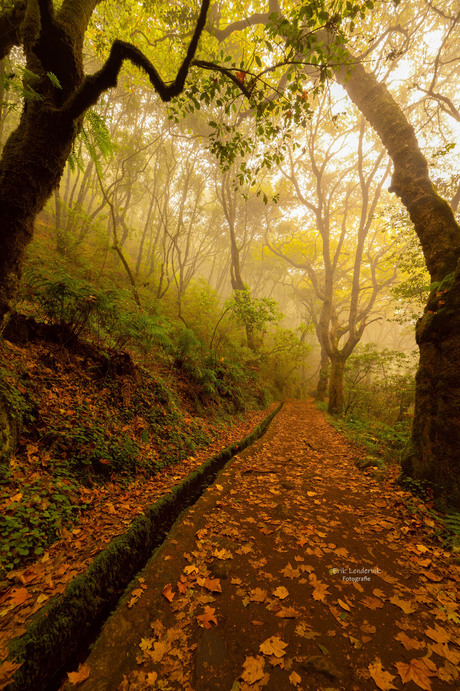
point(35, 154)
point(433, 455)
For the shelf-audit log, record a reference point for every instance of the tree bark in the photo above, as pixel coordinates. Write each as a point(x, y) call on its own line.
point(323, 377)
point(335, 405)
point(433, 455)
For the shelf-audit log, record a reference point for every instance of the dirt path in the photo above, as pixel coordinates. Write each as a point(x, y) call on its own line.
point(295, 570)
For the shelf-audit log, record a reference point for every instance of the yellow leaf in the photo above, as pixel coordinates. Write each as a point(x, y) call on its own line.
point(273, 646)
point(344, 605)
point(382, 679)
point(253, 669)
point(295, 679)
point(281, 592)
point(80, 675)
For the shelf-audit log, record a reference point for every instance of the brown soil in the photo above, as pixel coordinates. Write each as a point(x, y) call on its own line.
point(295, 570)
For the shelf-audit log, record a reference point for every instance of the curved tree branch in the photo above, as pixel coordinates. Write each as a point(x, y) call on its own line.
point(107, 77)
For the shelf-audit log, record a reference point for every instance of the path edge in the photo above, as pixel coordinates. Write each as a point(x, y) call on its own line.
point(60, 628)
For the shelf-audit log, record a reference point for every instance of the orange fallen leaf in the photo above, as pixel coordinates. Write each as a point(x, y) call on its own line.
point(80, 675)
point(168, 593)
point(437, 634)
point(344, 605)
point(295, 679)
point(418, 671)
point(281, 592)
point(253, 669)
point(19, 595)
point(257, 595)
point(382, 678)
point(406, 605)
point(273, 646)
point(208, 617)
point(409, 643)
point(212, 584)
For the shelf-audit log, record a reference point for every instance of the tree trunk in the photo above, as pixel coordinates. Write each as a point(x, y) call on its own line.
point(435, 442)
point(335, 405)
point(434, 451)
point(323, 378)
point(31, 166)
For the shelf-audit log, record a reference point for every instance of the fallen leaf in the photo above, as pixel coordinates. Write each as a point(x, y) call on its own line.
point(257, 595)
point(281, 592)
point(168, 593)
point(253, 669)
point(409, 643)
point(295, 679)
point(212, 584)
point(208, 617)
point(382, 678)
point(80, 675)
point(344, 605)
point(273, 646)
point(439, 635)
point(416, 671)
point(406, 605)
point(19, 596)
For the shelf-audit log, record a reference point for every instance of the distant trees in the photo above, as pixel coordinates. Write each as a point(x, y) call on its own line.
point(352, 260)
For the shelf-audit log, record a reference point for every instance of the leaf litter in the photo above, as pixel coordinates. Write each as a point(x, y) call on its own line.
point(357, 611)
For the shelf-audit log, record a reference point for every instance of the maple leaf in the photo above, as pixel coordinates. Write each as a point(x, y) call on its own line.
point(290, 572)
point(320, 591)
point(406, 605)
point(281, 592)
point(80, 675)
point(382, 679)
point(439, 635)
point(212, 584)
point(208, 617)
point(417, 671)
point(257, 595)
point(444, 651)
point(273, 646)
point(409, 643)
point(253, 669)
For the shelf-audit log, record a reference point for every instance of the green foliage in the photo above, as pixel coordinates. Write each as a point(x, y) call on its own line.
point(86, 310)
point(384, 442)
point(254, 312)
point(379, 384)
point(33, 520)
point(95, 139)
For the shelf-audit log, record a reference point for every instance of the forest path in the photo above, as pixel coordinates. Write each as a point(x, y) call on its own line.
point(294, 570)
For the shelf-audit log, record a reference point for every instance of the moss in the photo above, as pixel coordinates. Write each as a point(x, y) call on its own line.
point(62, 628)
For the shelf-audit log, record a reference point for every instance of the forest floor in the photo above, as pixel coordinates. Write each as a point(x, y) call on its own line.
point(294, 570)
point(59, 378)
